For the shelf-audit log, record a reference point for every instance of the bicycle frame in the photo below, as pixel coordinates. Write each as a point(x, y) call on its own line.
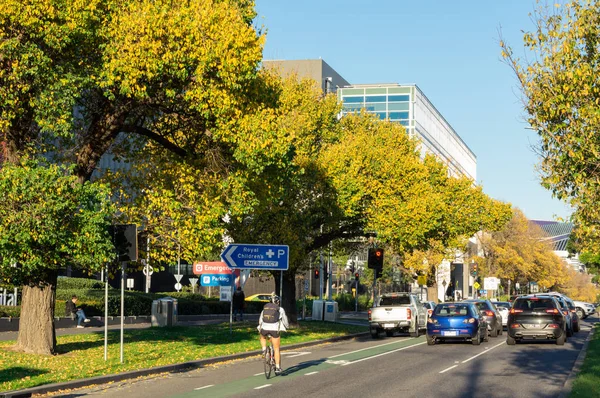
point(269, 359)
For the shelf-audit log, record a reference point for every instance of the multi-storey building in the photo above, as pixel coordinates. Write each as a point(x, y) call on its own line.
point(407, 105)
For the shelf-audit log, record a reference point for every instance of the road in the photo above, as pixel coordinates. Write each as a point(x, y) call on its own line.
point(388, 367)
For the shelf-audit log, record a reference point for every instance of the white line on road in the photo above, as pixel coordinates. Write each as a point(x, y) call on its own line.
point(451, 367)
point(295, 354)
point(379, 355)
point(368, 348)
point(201, 388)
point(259, 374)
point(259, 387)
point(484, 352)
point(311, 373)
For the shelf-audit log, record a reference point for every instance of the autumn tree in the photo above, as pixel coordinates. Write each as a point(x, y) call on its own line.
point(49, 220)
point(520, 253)
point(79, 79)
point(559, 78)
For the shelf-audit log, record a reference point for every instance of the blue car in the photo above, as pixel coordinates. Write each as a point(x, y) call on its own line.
point(456, 321)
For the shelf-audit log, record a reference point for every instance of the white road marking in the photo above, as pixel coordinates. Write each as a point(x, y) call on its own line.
point(201, 388)
point(484, 352)
point(294, 354)
point(338, 362)
point(383, 353)
point(368, 348)
point(259, 374)
point(451, 367)
point(263, 386)
point(311, 373)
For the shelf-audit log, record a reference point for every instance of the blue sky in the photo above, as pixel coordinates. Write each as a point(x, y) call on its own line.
point(450, 49)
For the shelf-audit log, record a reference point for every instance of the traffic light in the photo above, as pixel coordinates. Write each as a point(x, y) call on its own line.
point(316, 274)
point(375, 258)
point(378, 273)
point(356, 276)
point(473, 269)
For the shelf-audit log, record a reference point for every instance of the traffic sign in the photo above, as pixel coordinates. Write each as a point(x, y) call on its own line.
point(250, 256)
point(211, 267)
point(178, 286)
point(422, 280)
point(148, 270)
point(491, 283)
point(476, 285)
point(178, 277)
point(216, 280)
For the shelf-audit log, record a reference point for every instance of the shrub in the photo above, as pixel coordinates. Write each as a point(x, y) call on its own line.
point(9, 311)
point(65, 282)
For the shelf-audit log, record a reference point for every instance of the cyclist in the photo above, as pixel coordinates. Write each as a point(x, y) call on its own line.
point(272, 321)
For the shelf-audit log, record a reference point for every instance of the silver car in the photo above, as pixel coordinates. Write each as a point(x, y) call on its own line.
point(503, 308)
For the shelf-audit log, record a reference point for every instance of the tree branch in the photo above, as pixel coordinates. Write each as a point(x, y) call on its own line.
point(157, 138)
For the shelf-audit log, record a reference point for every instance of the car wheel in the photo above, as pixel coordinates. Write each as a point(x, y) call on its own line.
point(389, 333)
point(561, 340)
point(417, 330)
point(576, 328)
point(477, 339)
point(374, 333)
point(486, 338)
point(430, 340)
point(569, 332)
point(580, 313)
point(510, 340)
point(500, 329)
point(494, 332)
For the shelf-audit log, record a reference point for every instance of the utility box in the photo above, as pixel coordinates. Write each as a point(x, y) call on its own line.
point(317, 310)
point(331, 311)
point(164, 312)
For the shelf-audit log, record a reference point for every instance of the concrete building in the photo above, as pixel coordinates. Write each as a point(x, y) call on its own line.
point(407, 105)
point(316, 69)
point(558, 234)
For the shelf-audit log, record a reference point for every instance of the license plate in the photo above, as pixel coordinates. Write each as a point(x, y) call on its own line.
point(535, 326)
point(389, 325)
point(449, 333)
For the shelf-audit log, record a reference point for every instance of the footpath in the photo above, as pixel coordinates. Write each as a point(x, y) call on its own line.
point(351, 318)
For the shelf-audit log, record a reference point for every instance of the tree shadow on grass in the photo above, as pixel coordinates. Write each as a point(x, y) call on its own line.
point(18, 373)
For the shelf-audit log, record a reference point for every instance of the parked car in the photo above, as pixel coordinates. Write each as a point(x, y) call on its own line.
point(574, 316)
point(456, 321)
point(503, 308)
point(564, 307)
point(491, 314)
point(262, 297)
point(584, 309)
point(536, 317)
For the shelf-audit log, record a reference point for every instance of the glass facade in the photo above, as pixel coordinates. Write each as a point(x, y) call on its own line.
point(391, 103)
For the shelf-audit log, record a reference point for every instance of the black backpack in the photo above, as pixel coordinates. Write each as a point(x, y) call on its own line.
point(271, 313)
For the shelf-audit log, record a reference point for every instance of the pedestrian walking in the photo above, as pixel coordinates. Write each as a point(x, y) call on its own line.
point(239, 301)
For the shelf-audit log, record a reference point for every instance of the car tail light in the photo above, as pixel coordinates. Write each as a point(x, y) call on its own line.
point(489, 313)
point(470, 320)
point(408, 313)
point(573, 310)
point(565, 312)
point(553, 326)
point(430, 312)
point(513, 311)
point(369, 315)
point(552, 311)
point(430, 320)
point(515, 326)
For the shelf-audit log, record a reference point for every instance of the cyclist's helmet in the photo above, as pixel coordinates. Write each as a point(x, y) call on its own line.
point(275, 299)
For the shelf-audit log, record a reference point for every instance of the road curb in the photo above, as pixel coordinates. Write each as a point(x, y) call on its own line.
point(568, 386)
point(69, 385)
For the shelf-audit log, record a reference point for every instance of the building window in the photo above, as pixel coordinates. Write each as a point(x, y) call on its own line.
point(398, 115)
point(398, 98)
point(375, 98)
point(381, 115)
point(353, 100)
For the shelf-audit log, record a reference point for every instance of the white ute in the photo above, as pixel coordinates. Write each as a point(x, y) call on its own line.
point(397, 312)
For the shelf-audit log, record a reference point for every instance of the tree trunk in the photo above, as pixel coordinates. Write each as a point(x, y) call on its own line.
point(288, 300)
point(36, 324)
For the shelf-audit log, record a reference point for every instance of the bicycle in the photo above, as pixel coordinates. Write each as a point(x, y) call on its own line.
point(269, 358)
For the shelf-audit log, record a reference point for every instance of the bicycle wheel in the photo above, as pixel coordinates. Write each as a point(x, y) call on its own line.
point(268, 362)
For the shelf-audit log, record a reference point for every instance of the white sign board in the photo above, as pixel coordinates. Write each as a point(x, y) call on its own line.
point(491, 283)
point(225, 294)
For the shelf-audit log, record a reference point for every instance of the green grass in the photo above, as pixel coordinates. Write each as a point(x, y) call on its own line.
point(587, 383)
point(82, 356)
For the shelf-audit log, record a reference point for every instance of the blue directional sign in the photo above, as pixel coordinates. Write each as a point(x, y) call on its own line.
point(216, 279)
point(249, 256)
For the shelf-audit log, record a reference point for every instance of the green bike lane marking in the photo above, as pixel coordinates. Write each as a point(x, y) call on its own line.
point(302, 369)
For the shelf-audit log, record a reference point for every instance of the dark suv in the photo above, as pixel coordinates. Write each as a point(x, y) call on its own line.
point(490, 313)
point(536, 317)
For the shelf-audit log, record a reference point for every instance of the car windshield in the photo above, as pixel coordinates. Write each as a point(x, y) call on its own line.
point(451, 310)
point(531, 304)
point(394, 300)
point(501, 304)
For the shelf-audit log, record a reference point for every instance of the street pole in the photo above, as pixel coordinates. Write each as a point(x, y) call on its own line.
point(329, 273)
point(106, 316)
point(148, 276)
point(122, 304)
